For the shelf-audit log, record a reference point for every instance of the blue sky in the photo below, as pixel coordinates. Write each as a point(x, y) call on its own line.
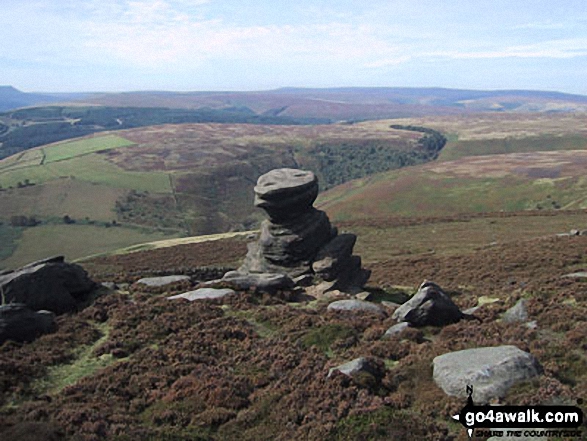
point(183, 45)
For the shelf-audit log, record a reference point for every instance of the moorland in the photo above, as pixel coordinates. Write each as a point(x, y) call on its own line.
point(487, 215)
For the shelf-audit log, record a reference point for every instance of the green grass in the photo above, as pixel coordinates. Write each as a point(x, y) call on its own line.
point(74, 241)
point(68, 150)
point(324, 337)
point(90, 168)
point(85, 364)
point(9, 237)
point(459, 149)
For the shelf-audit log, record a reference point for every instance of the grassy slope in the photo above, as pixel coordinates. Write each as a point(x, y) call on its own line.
point(74, 241)
point(542, 169)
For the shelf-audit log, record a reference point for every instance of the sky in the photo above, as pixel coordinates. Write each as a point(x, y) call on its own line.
point(183, 45)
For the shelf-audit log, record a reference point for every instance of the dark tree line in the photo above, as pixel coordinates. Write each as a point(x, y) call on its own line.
point(432, 141)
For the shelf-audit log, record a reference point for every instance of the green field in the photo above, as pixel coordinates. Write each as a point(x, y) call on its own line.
point(68, 150)
point(459, 149)
point(90, 168)
point(73, 241)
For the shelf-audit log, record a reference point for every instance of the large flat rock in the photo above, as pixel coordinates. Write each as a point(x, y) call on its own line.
point(203, 294)
point(353, 305)
point(156, 282)
point(491, 371)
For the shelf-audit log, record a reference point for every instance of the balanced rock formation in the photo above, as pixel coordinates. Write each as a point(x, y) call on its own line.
point(50, 284)
point(297, 243)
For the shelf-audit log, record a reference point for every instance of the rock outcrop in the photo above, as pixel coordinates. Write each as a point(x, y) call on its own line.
point(20, 323)
point(430, 306)
point(297, 240)
point(51, 284)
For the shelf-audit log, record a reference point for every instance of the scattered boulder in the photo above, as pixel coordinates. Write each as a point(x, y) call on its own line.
point(20, 323)
point(396, 329)
point(157, 282)
point(203, 294)
point(110, 285)
point(50, 284)
point(355, 306)
point(297, 240)
point(363, 371)
point(430, 306)
point(265, 282)
point(491, 371)
point(517, 313)
point(577, 275)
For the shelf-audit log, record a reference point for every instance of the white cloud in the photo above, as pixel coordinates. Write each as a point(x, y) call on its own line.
point(567, 48)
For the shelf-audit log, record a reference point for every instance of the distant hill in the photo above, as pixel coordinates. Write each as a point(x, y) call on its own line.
point(357, 103)
point(11, 98)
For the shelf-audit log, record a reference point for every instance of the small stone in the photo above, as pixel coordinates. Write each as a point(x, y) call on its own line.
point(577, 275)
point(396, 329)
point(532, 325)
point(517, 313)
point(472, 310)
point(203, 294)
point(355, 306)
point(363, 295)
point(156, 282)
point(357, 366)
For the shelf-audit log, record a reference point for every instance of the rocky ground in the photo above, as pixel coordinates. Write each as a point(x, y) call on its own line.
point(136, 365)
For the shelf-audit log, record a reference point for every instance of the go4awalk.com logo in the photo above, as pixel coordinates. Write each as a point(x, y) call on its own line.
point(522, 421)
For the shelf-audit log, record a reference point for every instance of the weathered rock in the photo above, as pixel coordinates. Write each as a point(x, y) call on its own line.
point(20, 323)
point(358, 366)
point(491, 371)
point(396, 329)
point(298, 240)
point(110, 285)
point(355, 306)
point(290, 243)
point(49, 284)
point(334, 256)
point(157, 282)
point(517, 313)
point(267, 282)
point(203, 294)
point(285, 192)
point(430, 306)
point(577, 275)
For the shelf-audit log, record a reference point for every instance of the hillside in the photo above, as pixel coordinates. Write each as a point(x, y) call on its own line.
point(137, 365)
point(173, 180)
point(491, 163)
point(12, 98)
